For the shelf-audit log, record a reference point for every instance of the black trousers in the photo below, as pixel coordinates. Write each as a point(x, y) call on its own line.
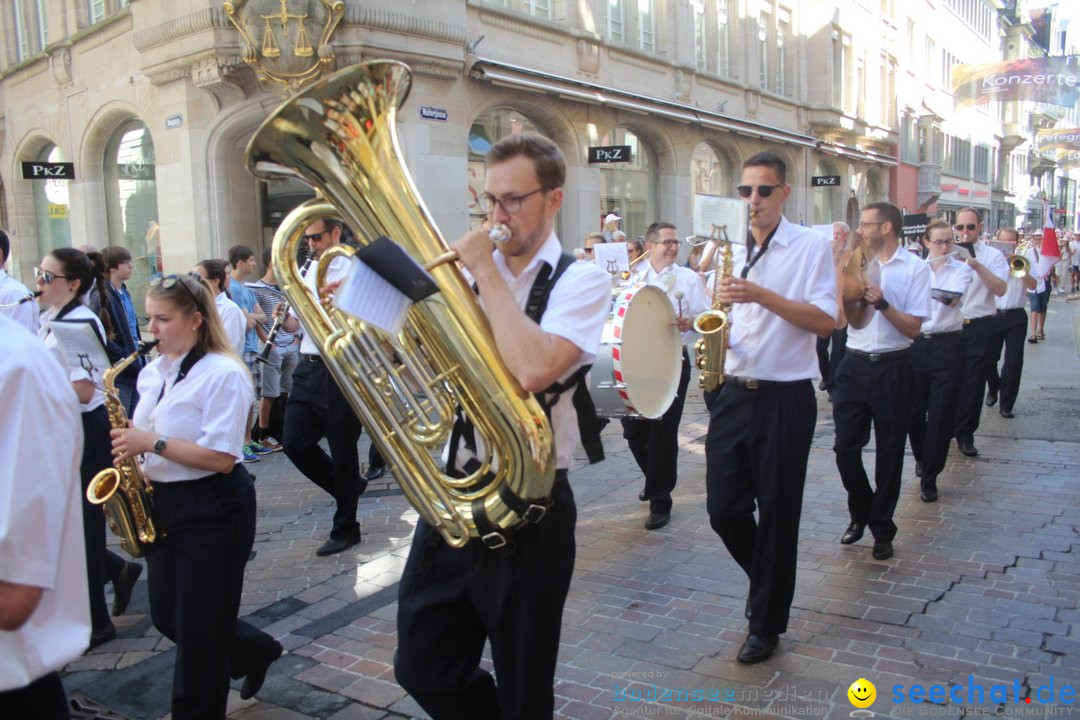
point(976, 336)
point(1010, 329)
point(195, 576)
point(317, 407)
point(43, 699)
point(829, 359)
point(655, 446)
point(757, 450)
point(451, 600)
point(936, 376)
point(880, 393)
point(102, 565)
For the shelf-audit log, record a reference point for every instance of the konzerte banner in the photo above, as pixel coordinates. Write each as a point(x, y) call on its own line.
point(1053, 80)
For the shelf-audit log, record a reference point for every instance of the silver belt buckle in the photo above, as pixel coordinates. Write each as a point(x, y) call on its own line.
point(874, 357)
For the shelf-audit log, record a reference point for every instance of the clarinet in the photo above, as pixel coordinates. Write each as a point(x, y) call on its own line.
point(264, 354)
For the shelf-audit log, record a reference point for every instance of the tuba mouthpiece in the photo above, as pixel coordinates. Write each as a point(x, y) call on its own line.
point(499, 234)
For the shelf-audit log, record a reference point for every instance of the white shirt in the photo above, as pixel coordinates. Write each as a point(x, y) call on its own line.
point(338, 269)
point(1015, 292)
point(799, 266)
point(232, 317)
point(677, 279)
point(208, 407)
point(80, 312)
point(978, 301)
point(905, 282)
point(41, 533)
point(954, 276)
point(12, 291)
point(578, 307)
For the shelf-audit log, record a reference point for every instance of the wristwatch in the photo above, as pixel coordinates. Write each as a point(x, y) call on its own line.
point(159, 446)
point(882, 305)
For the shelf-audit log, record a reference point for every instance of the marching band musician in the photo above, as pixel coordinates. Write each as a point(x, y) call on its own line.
point(991, 272)
point(13, 294)
point(874, 381)
point(64, 279)
point(44, 614)
point(216, 273)
point(451, 600)
point(655, 443)
point(189, 426)
point(933, 360)
point(761, 420)
point(1009, 326)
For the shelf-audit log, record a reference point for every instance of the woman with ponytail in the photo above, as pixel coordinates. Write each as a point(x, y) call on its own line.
point(64, 279)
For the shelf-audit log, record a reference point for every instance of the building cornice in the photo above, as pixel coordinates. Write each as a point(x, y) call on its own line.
point(191, 24)
point(379, 19)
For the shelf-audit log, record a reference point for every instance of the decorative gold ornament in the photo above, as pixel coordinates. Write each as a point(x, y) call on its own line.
point(282, 56)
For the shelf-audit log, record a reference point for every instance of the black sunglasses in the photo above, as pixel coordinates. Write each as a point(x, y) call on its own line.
point(313, 236)
point(168, 282)
point(762, 190)
point(969, 226)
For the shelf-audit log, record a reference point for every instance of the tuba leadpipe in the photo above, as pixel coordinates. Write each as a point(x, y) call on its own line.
point(338, 135)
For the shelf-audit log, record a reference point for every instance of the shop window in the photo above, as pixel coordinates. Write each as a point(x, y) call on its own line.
point(51, 207)
point(628, 189)
point(825, 198)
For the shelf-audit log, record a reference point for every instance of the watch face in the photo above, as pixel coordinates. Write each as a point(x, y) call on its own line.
point(159, 446)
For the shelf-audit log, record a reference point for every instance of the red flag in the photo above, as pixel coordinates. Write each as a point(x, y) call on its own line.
point(1049, 240)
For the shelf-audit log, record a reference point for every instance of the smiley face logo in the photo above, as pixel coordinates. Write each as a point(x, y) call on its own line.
point(862, 693)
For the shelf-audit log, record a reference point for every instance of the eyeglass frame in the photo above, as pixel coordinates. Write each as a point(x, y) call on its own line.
point(47, 276)
point(178, 278)
point(314, 236)
point(764, 191)
point(960, 227)
point(488, 201)
point(669, 242)
point(940, 243)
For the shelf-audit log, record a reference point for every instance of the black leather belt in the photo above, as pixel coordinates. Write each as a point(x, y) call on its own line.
point(755, 384)
point(940, 335)
point(311, 358)
point(1009, 310)
point(879, 356)
point(972, 321)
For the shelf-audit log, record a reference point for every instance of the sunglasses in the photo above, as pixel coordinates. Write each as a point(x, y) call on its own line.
point(762, 190)
point(313, 236)
point(969, 226)
point(168, 282)
point(47, 277)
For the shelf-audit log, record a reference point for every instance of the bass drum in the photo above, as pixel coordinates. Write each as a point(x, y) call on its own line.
point(637, 368)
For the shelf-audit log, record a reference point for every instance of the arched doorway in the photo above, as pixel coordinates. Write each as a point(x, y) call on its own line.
point(629, 189)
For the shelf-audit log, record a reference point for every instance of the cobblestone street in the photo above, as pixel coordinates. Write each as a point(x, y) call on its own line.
point(982, 590)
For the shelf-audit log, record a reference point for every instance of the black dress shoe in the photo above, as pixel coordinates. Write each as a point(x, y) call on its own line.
point(1008, 414)
point(882, 550)
point(853, 534)
point(991, 399)
point(928, 496)
point(747, 611)
point(642, 496)
point(823, 386)
point(336, 545)
point(657, 520)
point(102, 635)
point(255, 679)
point(757, 648)
point(123, 585)
point(967, 449)
point(918, 469)
point(373, 474)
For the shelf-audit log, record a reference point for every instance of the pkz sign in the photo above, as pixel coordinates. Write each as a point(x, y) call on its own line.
point(825, 181)
point(609, 154)
point(48, 171)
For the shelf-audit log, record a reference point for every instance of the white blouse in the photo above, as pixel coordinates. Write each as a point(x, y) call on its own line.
point(232, 317)
point(80, 312)
point(954, 276)
point(208, 407)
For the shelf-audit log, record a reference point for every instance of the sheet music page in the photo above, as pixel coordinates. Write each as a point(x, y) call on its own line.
point(712, 210)
point(368, 296)
point(612, 257)
point(81, 346)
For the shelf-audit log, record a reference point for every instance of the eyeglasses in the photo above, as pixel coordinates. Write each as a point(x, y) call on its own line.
point(669, 243)
point(510, 204)
point(939, 243)
point(47, 277)
point(168, 282)
point(588, 250)
point(313, 236)
point(969, 226)
point(762, 190)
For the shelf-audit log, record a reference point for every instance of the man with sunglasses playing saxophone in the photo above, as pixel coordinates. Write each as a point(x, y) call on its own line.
point(991, 273)
point(782, 293)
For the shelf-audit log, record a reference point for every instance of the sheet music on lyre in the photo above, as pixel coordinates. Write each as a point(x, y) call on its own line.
point(730, 213)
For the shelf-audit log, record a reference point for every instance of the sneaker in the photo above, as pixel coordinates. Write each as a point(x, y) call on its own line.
point(249, 456)
point(270, 444)
point(259, 448)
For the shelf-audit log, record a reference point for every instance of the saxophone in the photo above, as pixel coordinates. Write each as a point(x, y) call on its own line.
point(122, 491)
point(714, 324)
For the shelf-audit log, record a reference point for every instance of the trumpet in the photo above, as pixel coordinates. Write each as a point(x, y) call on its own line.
point(268, 346)
point(1019, 267)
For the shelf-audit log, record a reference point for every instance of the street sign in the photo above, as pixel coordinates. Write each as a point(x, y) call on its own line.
point(432, 113)
point(48, 171)
point(825, 181)
point(609, 154)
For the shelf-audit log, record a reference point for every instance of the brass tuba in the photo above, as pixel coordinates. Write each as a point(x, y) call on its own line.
point(338, 135)
point(714, 324)
point(122, 490)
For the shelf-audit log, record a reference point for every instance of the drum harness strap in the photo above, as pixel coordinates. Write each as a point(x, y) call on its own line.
point(589, 425)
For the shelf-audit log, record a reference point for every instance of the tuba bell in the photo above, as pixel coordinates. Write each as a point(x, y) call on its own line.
point(338, 135)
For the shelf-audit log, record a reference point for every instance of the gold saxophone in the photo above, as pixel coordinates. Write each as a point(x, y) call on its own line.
point(122, 491)
point(714, 325)
point(338, 135)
